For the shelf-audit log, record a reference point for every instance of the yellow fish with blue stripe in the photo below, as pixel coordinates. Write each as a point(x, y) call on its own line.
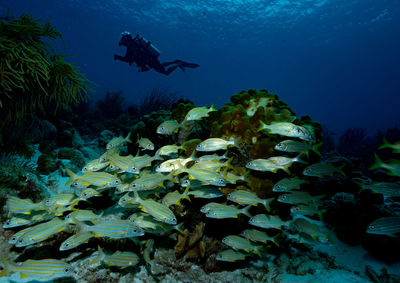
point(168, 127)
point(158, 210)
point(223, 211)
point(76, 240)
point(17, 205)
point(41, 232)
point(198, 113)
point(150, 181)
point(230, 256)
point(118, 141)
point(246, 197)
point(44, 269)
point(214, 144)
point(95, 165)
point(145, 143)
point(100, 179)
point(113, 228)
point(118, 258)
point(239, 243)
point(124, 163)
point(175, 197)
point(267, 221)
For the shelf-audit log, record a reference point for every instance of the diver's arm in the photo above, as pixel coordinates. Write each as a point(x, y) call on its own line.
point(123, 59)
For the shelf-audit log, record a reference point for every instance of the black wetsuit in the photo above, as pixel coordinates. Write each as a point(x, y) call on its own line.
point(139, 55)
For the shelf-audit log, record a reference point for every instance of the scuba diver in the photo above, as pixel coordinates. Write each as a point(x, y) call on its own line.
point(140, 51)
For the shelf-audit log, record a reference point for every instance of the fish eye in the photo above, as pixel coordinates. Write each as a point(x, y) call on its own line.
point(133, 185)
point(85, 168)
point(84, 194)
point(117, 182)
point(162, 128)
point(371, 227)
point(20, 241)
point(13, 239)
point(67, 245)
point(66, 270)
point(222, 181)
point(8, 222)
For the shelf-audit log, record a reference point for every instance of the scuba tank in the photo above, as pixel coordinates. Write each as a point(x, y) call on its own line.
point(146, 44)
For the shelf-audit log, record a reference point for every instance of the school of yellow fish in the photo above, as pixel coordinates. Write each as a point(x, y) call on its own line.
point(141, 181)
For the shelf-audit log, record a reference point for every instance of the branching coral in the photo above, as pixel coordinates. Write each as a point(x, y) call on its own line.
point(32, 75)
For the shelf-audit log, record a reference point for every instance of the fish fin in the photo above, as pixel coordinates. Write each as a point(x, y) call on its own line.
point(340, 169)
point(212, 108)
point(257, 251)
point(266, 203)
point(315, 148)
point(378, 163)
point(263, 126)
point(385, 144)
point(286, 169)
point(128, 137)
point(72, 176)
point(23, 275)
point(297, 158)
point(246, 211)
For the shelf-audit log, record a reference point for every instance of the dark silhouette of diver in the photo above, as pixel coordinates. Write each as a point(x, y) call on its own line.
point(140, 51)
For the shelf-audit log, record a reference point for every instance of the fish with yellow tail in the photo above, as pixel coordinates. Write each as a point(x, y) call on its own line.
point(118, 258)
point(118, 141)
point(395, 146)
point(44, 269)
point(239, 243)
point(168, 127)
point(198, 113)
point(214, 144)
point(287, 129)
point(393, 167)
point(100, 179)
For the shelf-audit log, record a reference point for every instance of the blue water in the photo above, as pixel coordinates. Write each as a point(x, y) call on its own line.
point(336, 60)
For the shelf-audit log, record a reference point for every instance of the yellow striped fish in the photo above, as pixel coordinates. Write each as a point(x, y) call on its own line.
point(41, 232)
point(113, 228)
point(208, 177)
point(17, 205)
point(226, 211)
point(60, 200)
point(258, 236)
point(313, 230)
point(169, 127)
point(167, 150)
point(230, 256)
point(146, 144)
point(44, 269)
point(83, 215)
point(263, 165)
point(150, 181)
point(206, 192)
point(297, 146)
point(142, 161)
point(95, 165)
point(288, 184)
point(100, 179)
point(297, 197)
point(173, 164)
point(120, 259)
point(267, 221)
point(389, 226)
point(144, 221)
point(198, 113)
point(214, 144)
point(322, 169)
point(239, 243)
point(118, 141)
point(124, 163)
point(175, 197)
point(88, 193)
point(248, 198)
point(104, 157)
point(158, 210)
point(76, 240)
point(17, 221)
point(148, 250)
point(14, 238)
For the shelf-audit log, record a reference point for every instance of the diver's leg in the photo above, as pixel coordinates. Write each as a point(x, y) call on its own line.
point(161, 69)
